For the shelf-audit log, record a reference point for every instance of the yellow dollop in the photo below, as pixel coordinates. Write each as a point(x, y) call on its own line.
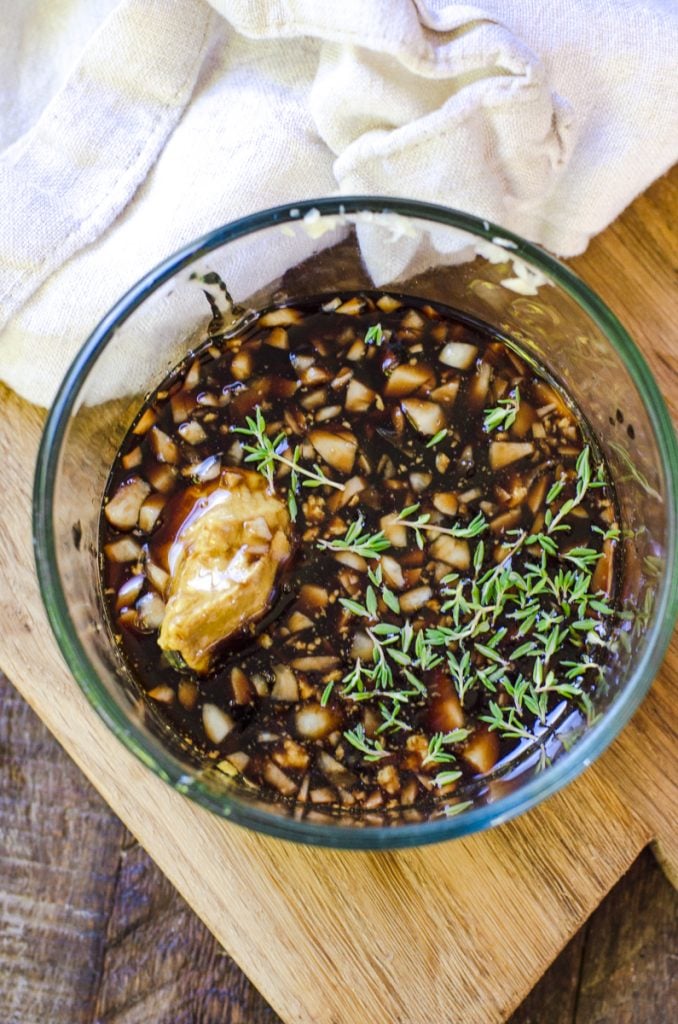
point(223, 566)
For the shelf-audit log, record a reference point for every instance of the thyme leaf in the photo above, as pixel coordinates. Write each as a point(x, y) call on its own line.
point(371, 749)
point(437, 438)
point(374, 335)
point(504, 414)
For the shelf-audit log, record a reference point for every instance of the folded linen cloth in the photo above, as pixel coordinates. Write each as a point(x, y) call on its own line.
point(131, 126)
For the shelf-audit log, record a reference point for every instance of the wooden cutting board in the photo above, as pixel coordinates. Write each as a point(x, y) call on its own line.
point(456, 933)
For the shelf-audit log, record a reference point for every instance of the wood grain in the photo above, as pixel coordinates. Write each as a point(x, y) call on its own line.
point(327, 936)
point(90, 929)
point(629, 973)
point(156, 963)
point(621, 967)
point(554, 999)
point(55, 887)
point(161, 964)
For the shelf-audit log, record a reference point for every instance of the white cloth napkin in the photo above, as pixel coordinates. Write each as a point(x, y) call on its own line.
point(128, 128)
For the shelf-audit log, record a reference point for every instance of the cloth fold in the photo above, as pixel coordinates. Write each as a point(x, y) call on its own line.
point(178, 115)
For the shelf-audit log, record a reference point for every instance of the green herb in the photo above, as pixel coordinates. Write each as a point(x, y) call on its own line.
point(376, 577)
point(506, 720)
point(463, 675)
point(265, 452)
point(437, 438)
point(390, 720)
point(582, 557)
point(445, 778)
point(374, 335)
point(555, 490)
point(394, 656)
point(426, 656)
point(584, 483)
point(477, 525)
point(549, 609)
point(478, 557)
point(175, 661)
point(504, 415)
point(542, 610)
point(373, 750)
point(365, 544)
point(354, 607)
point(294, 484)
point(453, 809)
point(436, 754)
point(327, 693)
point(612, 532)
point(578, 669)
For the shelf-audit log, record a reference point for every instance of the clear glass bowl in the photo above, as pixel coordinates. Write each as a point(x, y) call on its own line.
point(351, 243)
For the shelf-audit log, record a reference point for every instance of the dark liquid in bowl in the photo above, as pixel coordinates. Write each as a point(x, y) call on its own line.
point(436, 611)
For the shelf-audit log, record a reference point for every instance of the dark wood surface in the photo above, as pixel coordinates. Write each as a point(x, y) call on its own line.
point(91, 931)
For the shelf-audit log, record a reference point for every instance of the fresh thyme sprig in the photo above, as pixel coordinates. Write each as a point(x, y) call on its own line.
point(390, 719)
point(549, 609)
point(477, 525)
point(507, 722)
point(395, 654)
point(554, 523)
point(265, 452)
point(461, 670)
point(368, 545)
point(436, 753)
point(504, 414)
point(372, 750)
point(582, 557)
point(542, 612)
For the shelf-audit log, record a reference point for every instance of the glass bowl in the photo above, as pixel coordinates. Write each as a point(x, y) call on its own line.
point(287, 253)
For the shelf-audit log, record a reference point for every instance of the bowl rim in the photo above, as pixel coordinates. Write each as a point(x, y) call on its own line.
point(148, 749)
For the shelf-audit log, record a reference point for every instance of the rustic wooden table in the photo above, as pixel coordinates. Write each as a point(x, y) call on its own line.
point(90, 930)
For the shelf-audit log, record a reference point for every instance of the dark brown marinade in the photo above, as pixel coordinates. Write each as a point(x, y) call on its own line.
point(298, 373)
